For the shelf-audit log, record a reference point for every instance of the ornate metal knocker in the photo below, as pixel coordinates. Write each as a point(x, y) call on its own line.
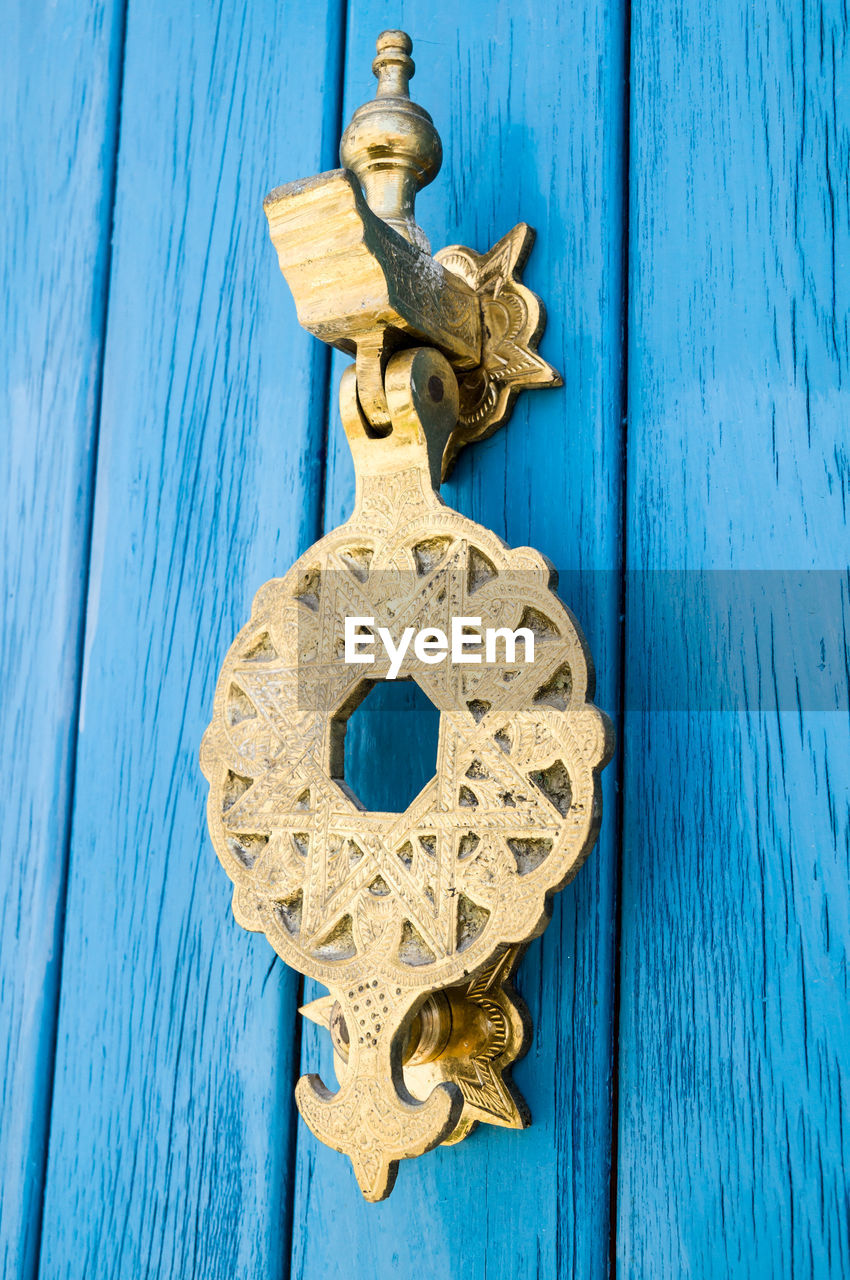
point(414, 921)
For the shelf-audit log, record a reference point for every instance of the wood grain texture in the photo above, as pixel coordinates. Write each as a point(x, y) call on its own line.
point(59, 68)
point(169, 1138)
point(529, 105)
point(735, 1036)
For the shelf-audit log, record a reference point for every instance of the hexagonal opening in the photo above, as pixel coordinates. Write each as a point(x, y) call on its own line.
point(384, 744)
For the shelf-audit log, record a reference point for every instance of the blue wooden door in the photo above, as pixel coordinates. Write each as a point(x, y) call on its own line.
point(171, 441)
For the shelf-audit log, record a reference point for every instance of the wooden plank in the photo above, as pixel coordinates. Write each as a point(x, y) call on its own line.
point(529, 105)
point(59, 81)
point(170, 1132)
point(735, 1037)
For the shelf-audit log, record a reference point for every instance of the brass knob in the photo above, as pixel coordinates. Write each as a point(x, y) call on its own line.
point(391, 143)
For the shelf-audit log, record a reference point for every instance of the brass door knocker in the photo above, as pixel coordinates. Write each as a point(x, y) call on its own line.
point(414, 921)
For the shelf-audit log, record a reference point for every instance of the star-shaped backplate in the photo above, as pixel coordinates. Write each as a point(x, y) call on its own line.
point(513, 319)
point(479, 1064)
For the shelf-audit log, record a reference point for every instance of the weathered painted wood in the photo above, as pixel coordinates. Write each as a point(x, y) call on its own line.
point(171, 1121)
point(735, 1034)
point(59, 77)
point(529, 103)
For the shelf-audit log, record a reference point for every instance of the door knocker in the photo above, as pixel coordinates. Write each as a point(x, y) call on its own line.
point(415, 922)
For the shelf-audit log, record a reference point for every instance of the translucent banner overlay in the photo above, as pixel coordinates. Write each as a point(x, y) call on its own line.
point(696, 640)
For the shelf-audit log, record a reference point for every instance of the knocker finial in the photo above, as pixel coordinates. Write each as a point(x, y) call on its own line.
point(391, 143)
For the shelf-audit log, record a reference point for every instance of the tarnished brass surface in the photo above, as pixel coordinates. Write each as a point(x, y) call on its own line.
point(415, 921)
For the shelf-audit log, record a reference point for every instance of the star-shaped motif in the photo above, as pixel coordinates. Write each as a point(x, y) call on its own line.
point(354, 861)
point(512, 323)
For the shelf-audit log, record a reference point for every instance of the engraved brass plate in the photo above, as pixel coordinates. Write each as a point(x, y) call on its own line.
point(414, 921)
